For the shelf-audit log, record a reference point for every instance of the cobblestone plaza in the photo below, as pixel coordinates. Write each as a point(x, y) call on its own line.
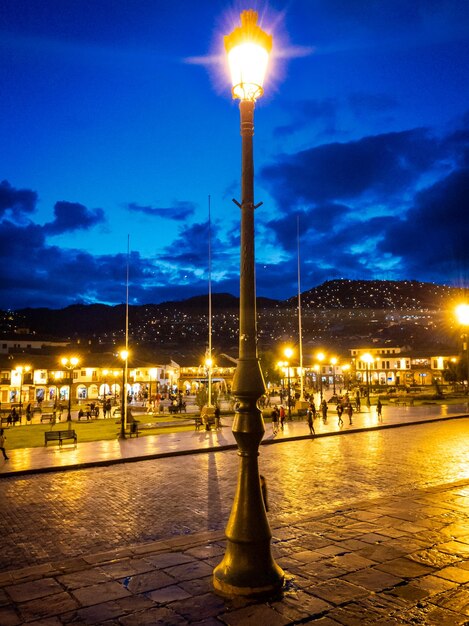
point(370, 527)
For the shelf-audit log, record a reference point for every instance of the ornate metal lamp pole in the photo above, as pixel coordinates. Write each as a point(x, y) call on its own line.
point(124, 355)
point(248, 568)
point(70, 364)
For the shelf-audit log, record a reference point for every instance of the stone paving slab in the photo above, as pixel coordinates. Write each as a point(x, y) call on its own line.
point(331, 578)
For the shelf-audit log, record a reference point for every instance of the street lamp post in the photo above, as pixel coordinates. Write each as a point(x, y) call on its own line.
point(462, 313)
point(368, 359)
point(124, 355)
point(288, 352)
point(70, 364)
point(21, 369)
point(320, 357)
point(248, 568)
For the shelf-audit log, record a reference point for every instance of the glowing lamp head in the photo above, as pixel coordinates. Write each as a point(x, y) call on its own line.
point(462, 313)
point(288, 352)
point(320, 356)
point(124, 355)
point(248, 48)
point(367, 358)
point(208, 362)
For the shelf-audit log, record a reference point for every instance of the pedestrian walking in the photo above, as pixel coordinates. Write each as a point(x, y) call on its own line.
point(309, 419)
point(340, 410)
point(350, 413)
point(379, 409)
point(2, 445)
point(324, 411)
point(282, 416)
point(274, 416)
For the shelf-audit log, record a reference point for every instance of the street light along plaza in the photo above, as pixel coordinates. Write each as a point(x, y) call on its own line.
point(248, 568)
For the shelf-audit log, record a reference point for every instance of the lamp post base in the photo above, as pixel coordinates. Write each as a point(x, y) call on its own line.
point(250, 564)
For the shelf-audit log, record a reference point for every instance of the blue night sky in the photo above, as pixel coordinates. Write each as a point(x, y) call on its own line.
point(117, 123)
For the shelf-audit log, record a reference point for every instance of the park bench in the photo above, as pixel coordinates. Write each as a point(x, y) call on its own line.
point(60, 436)
point(48, 417)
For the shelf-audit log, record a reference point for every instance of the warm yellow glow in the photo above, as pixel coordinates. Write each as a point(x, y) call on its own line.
point(208, 362)
point(288, 352)
point(316, 367)
point(462, 313)
point(345, 367)
point(153, 372)
point(124, 355)
point(320, 356)
point(367, 358)
point(105, 372)
point(23, 368)
point(248, 48)
point(69, 363)
point(334, 361)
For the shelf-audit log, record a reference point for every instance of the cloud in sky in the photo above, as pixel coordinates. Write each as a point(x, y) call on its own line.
point(363, 132)
point(71, 216)
point(389, 206)
point(179, 211)
point(16, 201)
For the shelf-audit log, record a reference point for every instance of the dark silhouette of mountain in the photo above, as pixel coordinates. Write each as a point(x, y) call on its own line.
point(376, 294)
point(343, 311)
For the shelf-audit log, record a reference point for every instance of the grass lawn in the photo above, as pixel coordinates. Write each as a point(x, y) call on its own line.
point(32, 435)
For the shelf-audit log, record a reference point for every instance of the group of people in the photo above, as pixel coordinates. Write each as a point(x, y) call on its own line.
point(278, 416)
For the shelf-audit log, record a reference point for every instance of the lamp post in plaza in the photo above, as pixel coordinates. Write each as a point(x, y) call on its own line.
point(22, 369)
point(70, 364)
point(248, 568)
point(320, 357)
point(462, 313)
point(367, 359)
point(124, 355)
point(288, 352)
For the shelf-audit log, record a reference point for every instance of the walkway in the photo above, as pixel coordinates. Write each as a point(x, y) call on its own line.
point(87, 454)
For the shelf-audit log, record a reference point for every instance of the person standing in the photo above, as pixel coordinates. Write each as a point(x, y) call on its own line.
point(350, 412)
point(340, 410)
point(274, 416)
point(2, 444)
point(309, 419)
point(324, 411)
point(282, 416)
point(379, 409)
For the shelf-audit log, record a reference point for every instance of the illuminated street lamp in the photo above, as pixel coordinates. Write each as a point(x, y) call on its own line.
point(70, 364)
point(21, 369)
point(124, 355)
point(288, 352)
point(462, 313)
point(248, 568)
point(367, 359)
point(320, 357)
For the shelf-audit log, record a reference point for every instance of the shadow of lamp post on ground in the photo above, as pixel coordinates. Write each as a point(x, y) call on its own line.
point(248, 568)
